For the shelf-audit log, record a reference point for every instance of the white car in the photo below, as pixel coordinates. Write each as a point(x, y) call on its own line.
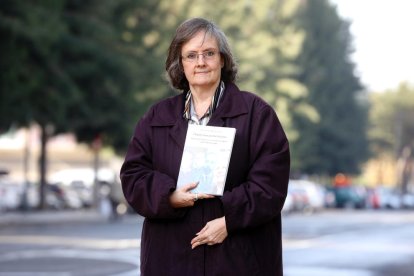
point(10, 194)
point(80, 181)
point(288, 206)
point(307, 195)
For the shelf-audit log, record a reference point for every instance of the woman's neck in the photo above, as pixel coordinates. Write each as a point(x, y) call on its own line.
point(202, 95)
point(202, 99)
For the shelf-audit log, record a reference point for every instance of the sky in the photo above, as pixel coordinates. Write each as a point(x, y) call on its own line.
point(383, 40)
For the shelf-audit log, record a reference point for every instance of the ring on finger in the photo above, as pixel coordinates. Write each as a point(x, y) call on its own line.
point(196, 197)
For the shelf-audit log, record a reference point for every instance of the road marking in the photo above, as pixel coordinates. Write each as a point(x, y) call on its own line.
point(359, 246)
point(300, 244)
point(40, 273)
point(126, 256)
point(322, 271)
point(69, 241)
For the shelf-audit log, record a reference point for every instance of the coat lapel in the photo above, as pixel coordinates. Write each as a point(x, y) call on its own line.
point(170, 116)
point(178, 132)
point(232, 105)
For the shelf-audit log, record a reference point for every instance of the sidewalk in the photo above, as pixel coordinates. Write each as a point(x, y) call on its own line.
point(49, 217)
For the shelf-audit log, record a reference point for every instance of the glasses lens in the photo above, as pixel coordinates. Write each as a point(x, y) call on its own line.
point(192, 56)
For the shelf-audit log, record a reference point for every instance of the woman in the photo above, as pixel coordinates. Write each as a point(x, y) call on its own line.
point(238, 233)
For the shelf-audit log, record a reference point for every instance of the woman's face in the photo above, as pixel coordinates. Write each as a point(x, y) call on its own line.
point(202, 62)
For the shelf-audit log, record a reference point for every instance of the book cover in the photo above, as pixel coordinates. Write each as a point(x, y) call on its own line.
point(206, 158)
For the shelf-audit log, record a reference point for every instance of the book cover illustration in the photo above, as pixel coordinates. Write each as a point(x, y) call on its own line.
point(206, 158)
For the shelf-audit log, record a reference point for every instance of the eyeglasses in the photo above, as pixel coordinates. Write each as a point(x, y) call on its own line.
point(193, 56)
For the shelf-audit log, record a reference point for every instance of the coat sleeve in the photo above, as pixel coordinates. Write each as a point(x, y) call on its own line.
point(261, 197)
point(146, 190)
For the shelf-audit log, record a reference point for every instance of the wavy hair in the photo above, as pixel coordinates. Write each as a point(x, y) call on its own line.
point(186, 31)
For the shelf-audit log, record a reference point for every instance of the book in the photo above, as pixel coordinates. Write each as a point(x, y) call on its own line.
point(206, 158)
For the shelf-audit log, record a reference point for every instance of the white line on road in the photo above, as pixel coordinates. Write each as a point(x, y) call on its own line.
point(320, 271)
point(76, 242)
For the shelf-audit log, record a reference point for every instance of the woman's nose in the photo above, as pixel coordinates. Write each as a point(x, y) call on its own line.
point(200, 59)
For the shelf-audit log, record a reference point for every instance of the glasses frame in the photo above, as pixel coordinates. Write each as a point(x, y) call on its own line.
point(204, 54)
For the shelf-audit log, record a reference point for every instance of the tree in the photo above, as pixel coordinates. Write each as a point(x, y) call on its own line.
point(30, 74)
point(93, 67)
point(265, 41)
point(69, 69)
point(99, 63)
point(337, 141)
point(34, 88)
point(392, 129)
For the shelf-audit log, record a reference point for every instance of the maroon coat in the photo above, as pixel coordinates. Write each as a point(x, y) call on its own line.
point(254, 194)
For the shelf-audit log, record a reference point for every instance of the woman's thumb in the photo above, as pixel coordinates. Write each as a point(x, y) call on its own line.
point(191, 186)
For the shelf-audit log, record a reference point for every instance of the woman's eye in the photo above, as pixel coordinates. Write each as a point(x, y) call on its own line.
point(191, 56)
point(210, 53)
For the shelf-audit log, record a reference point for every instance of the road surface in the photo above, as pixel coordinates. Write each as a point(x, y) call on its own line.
point(334, 242)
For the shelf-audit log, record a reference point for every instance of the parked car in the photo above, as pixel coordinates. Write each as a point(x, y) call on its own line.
point(372, 198)
point(288, 206)
point(80, 182)
point(349, 196)
point(389, 198)
point(407, 201)
point(329, 198)
point(10, 194)
point(20, 195)
point(307, 196)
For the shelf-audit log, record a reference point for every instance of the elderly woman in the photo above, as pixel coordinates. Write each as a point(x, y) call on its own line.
point(238, 233)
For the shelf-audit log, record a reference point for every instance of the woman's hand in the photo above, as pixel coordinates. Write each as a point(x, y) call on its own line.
point(214, 232)
point(182, 197)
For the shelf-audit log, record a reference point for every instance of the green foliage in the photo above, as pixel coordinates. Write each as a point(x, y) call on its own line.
point(70, 65)
point(97, 61)
point(28, 33)
point(337, 141)
point(392, 121)
point(93, 67)
point(265, 41)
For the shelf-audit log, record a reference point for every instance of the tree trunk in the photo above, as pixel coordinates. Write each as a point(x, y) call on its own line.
point(96, 147)
point(43, 166)
point(404, 167)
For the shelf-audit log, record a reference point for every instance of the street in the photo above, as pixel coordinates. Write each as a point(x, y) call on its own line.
point(332, 242)
point(351, 243)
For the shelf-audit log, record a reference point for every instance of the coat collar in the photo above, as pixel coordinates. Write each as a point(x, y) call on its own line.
point(232, 105)
point(169, 113)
